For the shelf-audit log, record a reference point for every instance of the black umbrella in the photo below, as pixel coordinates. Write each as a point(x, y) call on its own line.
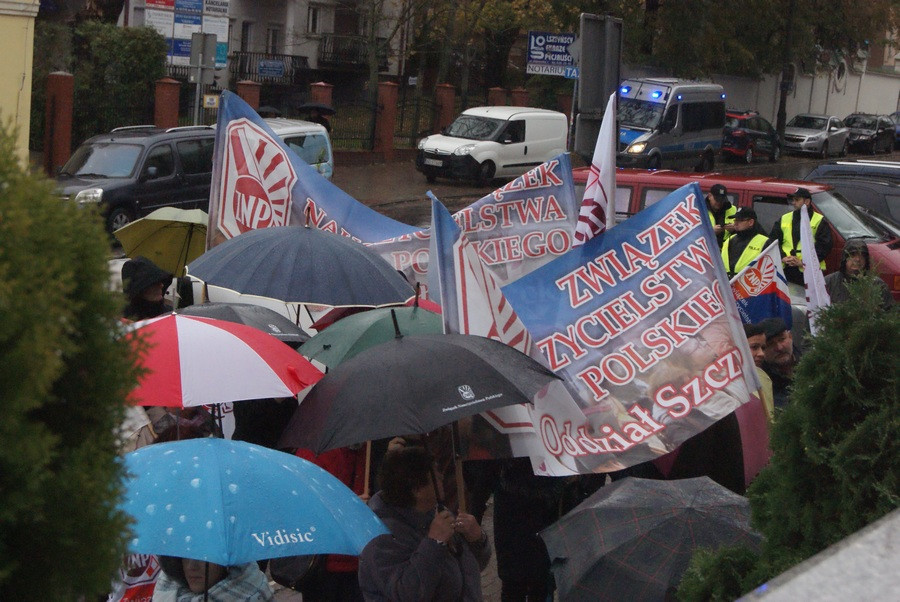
point(633, 539)
point(298, 264)
point(323, 109)
point(412, 385)
point(267, 111)
point(257, 316)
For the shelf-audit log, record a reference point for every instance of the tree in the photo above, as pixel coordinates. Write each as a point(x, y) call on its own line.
point(836, 449)
point(64, 377)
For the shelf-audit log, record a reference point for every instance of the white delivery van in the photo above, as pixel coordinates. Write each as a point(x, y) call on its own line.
point(488, 142)
point(309, 140)
point(669, 123)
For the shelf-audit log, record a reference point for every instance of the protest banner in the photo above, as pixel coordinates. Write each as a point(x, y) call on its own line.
point(598, 207)
point(817, 297)
point(641, 324)
point(760, 289)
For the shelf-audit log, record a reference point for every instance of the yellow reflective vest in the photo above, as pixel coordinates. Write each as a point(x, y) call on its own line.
point(729, 219)
point(750, 252)
point(787, 236)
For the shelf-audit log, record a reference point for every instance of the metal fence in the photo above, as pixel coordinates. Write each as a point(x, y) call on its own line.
point(415, 120)
point(351, 126)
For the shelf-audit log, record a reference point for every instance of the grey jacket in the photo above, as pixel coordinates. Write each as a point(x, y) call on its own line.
point(406, 565)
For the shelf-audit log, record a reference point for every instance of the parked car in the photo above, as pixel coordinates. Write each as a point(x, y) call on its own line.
point(822, 135)
point(870, 133)
point(309, 140)
point(131, 171)
point(638, 188)
point(889, 224)
point(857, 168)
point(486, 142)
point(895, 117)
point(881, 196)
point(670, 123)
point(747, 135)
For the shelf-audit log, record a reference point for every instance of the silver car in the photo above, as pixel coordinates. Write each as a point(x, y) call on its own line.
point(822, 135)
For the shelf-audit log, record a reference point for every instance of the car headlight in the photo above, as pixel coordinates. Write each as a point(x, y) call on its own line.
point(465, 149)
point(89, 195)
point(422, 142)
point(637, 148)
point(815, 137)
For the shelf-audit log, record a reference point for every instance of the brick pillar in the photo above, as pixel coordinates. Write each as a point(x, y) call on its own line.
point(165, 107)
point(497, 97)
point(320, 92)
point(249, 92)
point(445, 99)
point(386, 119)
point(564, 102)
point(519, 97)
point(58, 121)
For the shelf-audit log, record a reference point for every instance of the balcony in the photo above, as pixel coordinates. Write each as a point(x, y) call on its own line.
point(266, 68)
point(343, 51)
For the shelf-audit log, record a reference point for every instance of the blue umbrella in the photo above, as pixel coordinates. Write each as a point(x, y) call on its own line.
point(231, 502)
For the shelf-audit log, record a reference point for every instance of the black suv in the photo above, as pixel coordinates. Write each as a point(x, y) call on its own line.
point(131, 171)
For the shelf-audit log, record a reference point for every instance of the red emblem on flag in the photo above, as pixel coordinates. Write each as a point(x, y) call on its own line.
point(757, 278)
point(257, 180)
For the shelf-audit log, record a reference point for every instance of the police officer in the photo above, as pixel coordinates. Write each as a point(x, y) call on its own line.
point(721, 212)
point(745, 244)
point(787, 232)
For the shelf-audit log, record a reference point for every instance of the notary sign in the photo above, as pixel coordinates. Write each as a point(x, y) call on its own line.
point(548, 54)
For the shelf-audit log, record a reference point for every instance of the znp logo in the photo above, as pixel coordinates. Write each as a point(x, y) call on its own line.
point(758, 277)
point(466, 392)
point(256, 181)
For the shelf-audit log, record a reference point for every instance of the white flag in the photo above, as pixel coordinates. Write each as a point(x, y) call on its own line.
point(598, 208)
point(813, 280)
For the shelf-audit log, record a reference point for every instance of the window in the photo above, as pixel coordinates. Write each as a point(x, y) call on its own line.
point(654, 195)
point(699, 116)
point(769, 210)
point(273, 40)
point(312, 148)
point(246, 32)
point(162, 159)
point(514, 132)
point(313, 16)
point(196, 155)
point(668, 122)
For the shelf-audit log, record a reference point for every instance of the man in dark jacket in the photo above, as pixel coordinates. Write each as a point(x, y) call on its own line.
point(787, 232)
point(430, 555)
point(144, 284)
point(745, 244)
point(721, 212)
point(781, 358)
point(854, 263)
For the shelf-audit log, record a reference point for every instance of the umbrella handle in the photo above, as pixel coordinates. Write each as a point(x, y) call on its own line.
point(458, 468)
point(368, 467)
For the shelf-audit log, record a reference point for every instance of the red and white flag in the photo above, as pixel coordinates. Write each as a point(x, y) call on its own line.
point(813, 280)
point(598, 208)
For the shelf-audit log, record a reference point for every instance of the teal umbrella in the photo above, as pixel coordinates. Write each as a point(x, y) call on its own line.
point(353, 334)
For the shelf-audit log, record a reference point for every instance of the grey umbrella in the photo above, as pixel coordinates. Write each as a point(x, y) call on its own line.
point(257, 316)
point(297, 264)
point(633, 539)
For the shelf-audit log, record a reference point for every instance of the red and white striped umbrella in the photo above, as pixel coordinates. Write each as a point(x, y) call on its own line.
point(193, 361)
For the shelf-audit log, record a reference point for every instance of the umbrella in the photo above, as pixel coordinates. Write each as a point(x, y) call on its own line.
point(231, 502)
point(323, 109)
point(353, 334)
point(412, 385)
point(192, 361)
point(267, 111)
point(257, 316)
point(633, 539)
point(298, 264)
point(170, 237)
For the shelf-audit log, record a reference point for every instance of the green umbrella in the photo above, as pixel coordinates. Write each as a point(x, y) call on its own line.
point(353, 334)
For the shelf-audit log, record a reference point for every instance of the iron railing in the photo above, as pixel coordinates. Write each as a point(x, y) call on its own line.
point(349, 51)
point(266, 68)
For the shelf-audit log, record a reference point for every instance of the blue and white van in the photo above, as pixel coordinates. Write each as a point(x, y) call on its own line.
point(671, 123)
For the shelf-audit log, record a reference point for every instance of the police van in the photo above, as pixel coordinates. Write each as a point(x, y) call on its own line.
point(669, 123)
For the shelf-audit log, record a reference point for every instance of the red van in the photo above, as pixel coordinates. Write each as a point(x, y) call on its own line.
point(638, 188)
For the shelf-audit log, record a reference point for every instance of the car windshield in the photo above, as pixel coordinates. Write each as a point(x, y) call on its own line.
point(860, 121)
point(808, 123)
point(474, 128)
point(312, 148)
point(103, 159)
point(639, 113)
point(847, 219)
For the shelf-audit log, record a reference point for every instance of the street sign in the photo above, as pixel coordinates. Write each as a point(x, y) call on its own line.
point(270, 68)
point(548, 54)
point(210, 101)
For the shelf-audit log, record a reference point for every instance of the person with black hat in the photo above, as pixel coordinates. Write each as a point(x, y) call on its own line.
point(144, 285)
point(854, 264)
point(787, 232)
point(781, 357)
point(745, 244)
point(721, 211)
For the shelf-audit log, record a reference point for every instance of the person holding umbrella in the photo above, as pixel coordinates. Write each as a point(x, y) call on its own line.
point(144, 285)
point(189, 580)
point(430, 554)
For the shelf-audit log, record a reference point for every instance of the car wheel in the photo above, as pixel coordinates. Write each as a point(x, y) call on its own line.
point(748, 156)
point(486, 173)
point(118, 218)
point(845, 149)
point(776, 155)
point(654, 163)
point(823, 154)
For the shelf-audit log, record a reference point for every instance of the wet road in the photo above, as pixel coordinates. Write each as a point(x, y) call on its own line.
point(399, 191)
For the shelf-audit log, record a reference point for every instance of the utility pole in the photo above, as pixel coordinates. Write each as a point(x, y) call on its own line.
point(786, 73)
